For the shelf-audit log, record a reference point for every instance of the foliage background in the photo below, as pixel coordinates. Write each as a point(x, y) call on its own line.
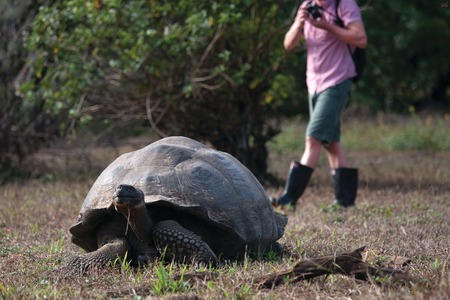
point(212, 71)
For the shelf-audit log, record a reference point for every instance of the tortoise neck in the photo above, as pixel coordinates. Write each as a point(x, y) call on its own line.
point(139, 221)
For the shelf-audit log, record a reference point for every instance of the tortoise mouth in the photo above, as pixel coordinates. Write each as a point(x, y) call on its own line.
point(127, 195)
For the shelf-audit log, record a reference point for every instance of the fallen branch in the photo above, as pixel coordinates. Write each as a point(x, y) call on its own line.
point(350, 264)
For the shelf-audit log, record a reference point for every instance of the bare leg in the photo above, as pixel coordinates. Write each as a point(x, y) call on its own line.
point(336, 156)
point(311, 154)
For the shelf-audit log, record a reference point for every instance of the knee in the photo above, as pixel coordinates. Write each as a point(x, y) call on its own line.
point(333, 148)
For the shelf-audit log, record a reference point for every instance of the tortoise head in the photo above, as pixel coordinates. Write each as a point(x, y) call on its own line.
point(126, 196)
point(129, 201)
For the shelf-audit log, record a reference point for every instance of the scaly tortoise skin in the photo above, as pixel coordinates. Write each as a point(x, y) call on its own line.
point(179, 198)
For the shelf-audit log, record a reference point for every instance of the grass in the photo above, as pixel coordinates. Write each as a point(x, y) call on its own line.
point(402, 210)
point(382, 133)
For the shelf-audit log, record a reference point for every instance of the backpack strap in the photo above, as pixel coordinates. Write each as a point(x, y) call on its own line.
point(338, 19)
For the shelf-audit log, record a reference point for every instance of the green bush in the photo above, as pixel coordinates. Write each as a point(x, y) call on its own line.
point(207, 70)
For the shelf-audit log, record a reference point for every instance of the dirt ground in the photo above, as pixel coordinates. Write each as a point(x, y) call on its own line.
point(403, 210)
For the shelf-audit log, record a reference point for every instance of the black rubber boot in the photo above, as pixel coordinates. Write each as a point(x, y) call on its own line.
point(345, 186)
point(296, 183)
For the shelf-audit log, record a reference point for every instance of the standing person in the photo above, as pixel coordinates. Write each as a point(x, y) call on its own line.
point(329, 74)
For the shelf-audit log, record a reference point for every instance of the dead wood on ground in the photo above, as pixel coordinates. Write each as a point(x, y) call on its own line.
point(349, 263)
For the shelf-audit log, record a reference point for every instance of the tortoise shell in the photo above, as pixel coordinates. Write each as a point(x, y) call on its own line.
point(185, 175)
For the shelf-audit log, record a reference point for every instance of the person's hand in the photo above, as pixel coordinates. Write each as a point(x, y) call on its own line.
point(302, 15)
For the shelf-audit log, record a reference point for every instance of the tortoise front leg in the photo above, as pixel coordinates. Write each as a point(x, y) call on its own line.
point(99, 258)
point(181, 244)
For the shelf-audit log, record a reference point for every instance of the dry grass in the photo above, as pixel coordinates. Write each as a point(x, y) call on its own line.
point(403, 209)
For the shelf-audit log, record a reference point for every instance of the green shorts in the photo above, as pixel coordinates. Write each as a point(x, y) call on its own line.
point(325, 110)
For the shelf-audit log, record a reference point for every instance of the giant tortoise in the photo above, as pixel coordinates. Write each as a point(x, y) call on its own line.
point(178, 198)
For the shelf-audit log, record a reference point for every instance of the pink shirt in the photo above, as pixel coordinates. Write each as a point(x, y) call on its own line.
point(329, 61)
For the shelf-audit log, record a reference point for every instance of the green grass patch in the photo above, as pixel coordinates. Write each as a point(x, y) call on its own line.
point(431, 133)
point(166, 284)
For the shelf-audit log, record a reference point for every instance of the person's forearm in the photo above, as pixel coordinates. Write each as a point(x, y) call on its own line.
point(293, 36)
point(353, 35)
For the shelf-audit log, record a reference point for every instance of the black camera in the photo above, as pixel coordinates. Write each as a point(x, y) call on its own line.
point(314, 10)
